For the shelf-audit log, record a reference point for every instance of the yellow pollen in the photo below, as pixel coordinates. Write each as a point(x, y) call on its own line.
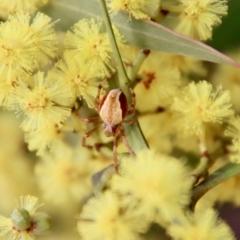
point(193, 9)
point(38, 99)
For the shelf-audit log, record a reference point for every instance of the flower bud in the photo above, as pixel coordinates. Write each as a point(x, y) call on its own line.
point(21, 219)
point(42, 223)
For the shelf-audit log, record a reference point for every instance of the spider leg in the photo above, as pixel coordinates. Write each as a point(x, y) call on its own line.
point(125, 141)
point(97, 99)
point(130, 121)
point(88, 134)
point(115, 145)
point(90, 120)
point(133, 102)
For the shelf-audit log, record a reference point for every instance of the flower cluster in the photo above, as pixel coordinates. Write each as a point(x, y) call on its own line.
point(144, 193)
point(68, 171)
point(140, 195)
point(82, 81)
point(158, 83)
point(195, 18)
point(147, 185)
point(46, 102)
point(25, 45)
point(43, 104)
point(90, 41)
point(51, 81)
point(203, 224)
point(200, 104)
point(105, 218)
point(198, 17)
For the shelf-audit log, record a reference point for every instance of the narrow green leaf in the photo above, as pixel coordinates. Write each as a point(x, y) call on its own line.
point(220, 175)
point(142, 33)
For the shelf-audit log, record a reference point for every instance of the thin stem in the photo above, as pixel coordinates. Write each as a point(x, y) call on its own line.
point(225, 172)
point(123, 82)
point(171, 8)
point(133, 131)
point(134, 68)
point(201, 170)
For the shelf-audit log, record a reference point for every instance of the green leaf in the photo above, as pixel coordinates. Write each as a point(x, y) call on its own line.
point(220, 175)
point(143, 33)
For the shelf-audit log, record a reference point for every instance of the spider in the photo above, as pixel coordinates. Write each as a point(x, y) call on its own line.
point(112, 109)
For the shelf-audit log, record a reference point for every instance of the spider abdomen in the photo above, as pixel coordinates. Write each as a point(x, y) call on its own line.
point(113, 107)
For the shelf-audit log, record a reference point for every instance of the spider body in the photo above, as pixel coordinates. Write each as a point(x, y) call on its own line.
point(112, 109)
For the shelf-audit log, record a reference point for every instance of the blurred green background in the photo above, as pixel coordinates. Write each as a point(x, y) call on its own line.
point(226, 37)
